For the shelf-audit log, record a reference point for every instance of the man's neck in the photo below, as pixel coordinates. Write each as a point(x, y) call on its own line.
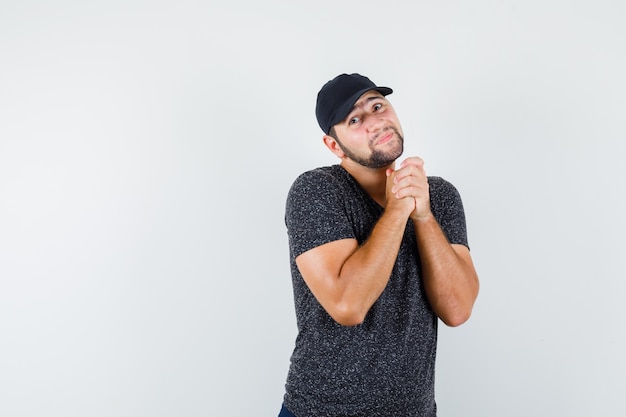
point(373, 180)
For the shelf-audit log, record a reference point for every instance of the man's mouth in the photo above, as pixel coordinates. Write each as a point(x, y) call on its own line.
point(385, 137)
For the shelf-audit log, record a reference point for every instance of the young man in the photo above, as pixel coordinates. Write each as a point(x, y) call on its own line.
point(378, 254)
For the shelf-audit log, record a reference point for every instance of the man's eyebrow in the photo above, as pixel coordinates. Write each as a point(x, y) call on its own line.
point(367, 100)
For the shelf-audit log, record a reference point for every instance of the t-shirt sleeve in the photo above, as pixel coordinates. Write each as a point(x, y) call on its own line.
point(447, 207)
point(315, 212)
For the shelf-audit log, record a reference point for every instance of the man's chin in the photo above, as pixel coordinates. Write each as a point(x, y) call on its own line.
point(382, 161)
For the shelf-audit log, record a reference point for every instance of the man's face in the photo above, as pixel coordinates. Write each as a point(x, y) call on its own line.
point(371, 134)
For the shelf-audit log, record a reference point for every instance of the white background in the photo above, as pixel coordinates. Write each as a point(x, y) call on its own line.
point(147, 147)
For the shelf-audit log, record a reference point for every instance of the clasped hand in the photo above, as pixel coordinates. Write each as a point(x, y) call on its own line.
point(407, 189)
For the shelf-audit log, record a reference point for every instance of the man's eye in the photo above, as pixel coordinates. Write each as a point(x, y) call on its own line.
point(354, 120)
point(377, 107)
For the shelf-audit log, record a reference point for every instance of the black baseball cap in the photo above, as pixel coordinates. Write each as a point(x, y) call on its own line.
point(337, 97)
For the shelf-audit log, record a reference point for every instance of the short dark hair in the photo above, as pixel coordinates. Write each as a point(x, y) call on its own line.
point(333, 133)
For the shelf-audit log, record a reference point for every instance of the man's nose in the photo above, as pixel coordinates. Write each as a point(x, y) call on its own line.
point(375, 124)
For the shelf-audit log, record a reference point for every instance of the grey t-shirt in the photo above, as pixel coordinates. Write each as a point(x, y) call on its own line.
point(384, 366)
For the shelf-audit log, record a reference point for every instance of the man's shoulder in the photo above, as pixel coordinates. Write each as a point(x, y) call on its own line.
point(323, 187)
point(440, 185)
point(437, 181)
point(320, 177)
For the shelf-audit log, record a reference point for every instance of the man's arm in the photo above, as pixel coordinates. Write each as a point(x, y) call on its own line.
point(449, 277)
point(347, 279)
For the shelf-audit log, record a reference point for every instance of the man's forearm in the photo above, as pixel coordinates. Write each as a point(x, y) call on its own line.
point(365, 274)
point(449, 276)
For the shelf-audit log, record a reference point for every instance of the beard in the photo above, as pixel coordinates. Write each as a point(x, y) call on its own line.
point(378, 158)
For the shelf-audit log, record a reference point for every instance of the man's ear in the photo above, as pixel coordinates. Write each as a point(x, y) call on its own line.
point(332, 144)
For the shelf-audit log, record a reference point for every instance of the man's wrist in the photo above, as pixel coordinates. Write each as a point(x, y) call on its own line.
point(422, 217)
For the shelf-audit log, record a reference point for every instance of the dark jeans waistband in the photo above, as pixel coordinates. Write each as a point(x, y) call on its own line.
point(285, 413)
